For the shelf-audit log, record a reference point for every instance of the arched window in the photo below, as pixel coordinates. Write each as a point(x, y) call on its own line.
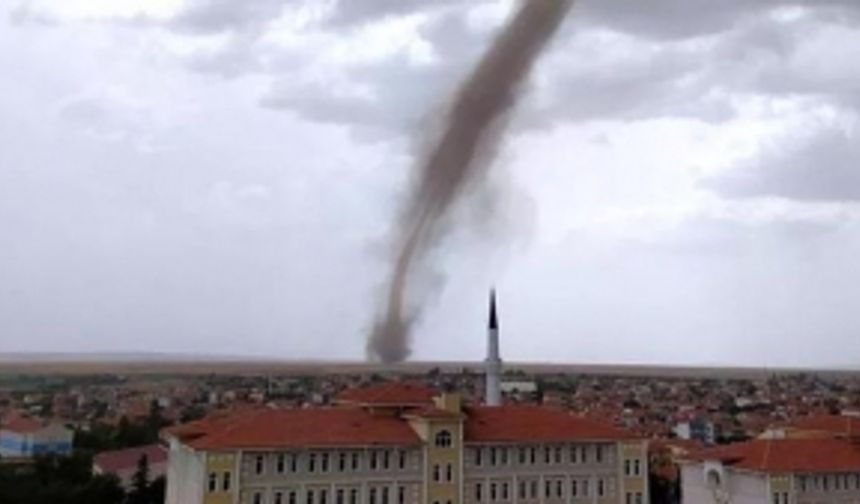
point(443, 439)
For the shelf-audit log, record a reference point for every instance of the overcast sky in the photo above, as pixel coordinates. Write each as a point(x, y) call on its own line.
point(680, 183)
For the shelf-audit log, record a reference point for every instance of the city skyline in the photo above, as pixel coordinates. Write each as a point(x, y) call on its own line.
point(209, 177)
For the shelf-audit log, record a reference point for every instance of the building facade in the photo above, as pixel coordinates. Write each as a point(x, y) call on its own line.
point(816, 461)
point(24, 437)
point(397, 444)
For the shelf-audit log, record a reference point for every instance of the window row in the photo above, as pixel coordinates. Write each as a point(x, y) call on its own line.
point(548, 455)
point(633, 498)
point(382, 494)
point(550, 489)
point(443, 473)
point(219, 482)
point(633, 467)
point(324, 462)
point(829, 482)
point(780, 498)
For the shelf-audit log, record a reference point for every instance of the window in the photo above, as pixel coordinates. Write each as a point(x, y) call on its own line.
point(401, 494)
point(559, 489)
point(522, 455)
point(372, 496)
point(547, 454)
point(598, 454)
point(628, 498)
point(309, 497)
point(279, 498)
point(627, 468)
point(636, 468)
point(225, 482)
point(338, 496)
point(601, 490)
point(802, 482)
point(291, 498)
point(341, 462)
point(585, 488)
point(478, 456)
point(574, 490)
point(355, 456)
point(294, 463)
point(493, 456)
point(280, 463)
point(784, 497)
point(323, 496)
point(258, 498)
point(574, 454)
point(532, 455)
point(478, 490)
point(213, 481)
point(493, 494)
point(547, 489)
point(638, 497)
point(522, 490)
point(534, 489)
point(373, 460)
point(558, 455)
point(504, 455)
point(324, 462)
point(259, 464)
point(584, 454)
point(505, 491)
point(449, 473)
point(312, 462)
point(443, 439)
point(385, 495)
point(386, 459)
point(401, 459)
point(436, 473)
point(353, 496)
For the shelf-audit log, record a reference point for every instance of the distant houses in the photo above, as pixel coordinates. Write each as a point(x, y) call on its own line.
point(22, 437)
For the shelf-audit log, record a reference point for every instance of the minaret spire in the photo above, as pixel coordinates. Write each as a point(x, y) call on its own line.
point(493, 394)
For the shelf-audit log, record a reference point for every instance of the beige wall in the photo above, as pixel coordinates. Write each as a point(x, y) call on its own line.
point(447, 460)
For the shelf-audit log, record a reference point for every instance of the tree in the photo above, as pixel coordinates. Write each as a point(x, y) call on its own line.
point(140, 483)
point(157, 490)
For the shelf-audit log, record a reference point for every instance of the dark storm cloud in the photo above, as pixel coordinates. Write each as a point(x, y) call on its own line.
point(823, 167)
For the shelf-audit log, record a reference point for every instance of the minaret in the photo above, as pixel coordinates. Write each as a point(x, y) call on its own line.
point(493, 394)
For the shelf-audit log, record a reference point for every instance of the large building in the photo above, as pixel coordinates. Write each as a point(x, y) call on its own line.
point(22, 437)
point(400, 443)
point(812, 461)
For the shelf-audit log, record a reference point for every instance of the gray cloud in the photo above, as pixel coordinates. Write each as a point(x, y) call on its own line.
point(821, 167)
point(215, 16)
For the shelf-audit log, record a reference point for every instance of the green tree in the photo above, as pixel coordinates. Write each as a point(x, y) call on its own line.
point(140, 483)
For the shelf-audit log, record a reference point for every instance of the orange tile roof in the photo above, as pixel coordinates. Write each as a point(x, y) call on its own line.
point(831, 424)
point(21, 424)
point(533, 423)
point(787, 455)
point(293, 428)
point(389, 394)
